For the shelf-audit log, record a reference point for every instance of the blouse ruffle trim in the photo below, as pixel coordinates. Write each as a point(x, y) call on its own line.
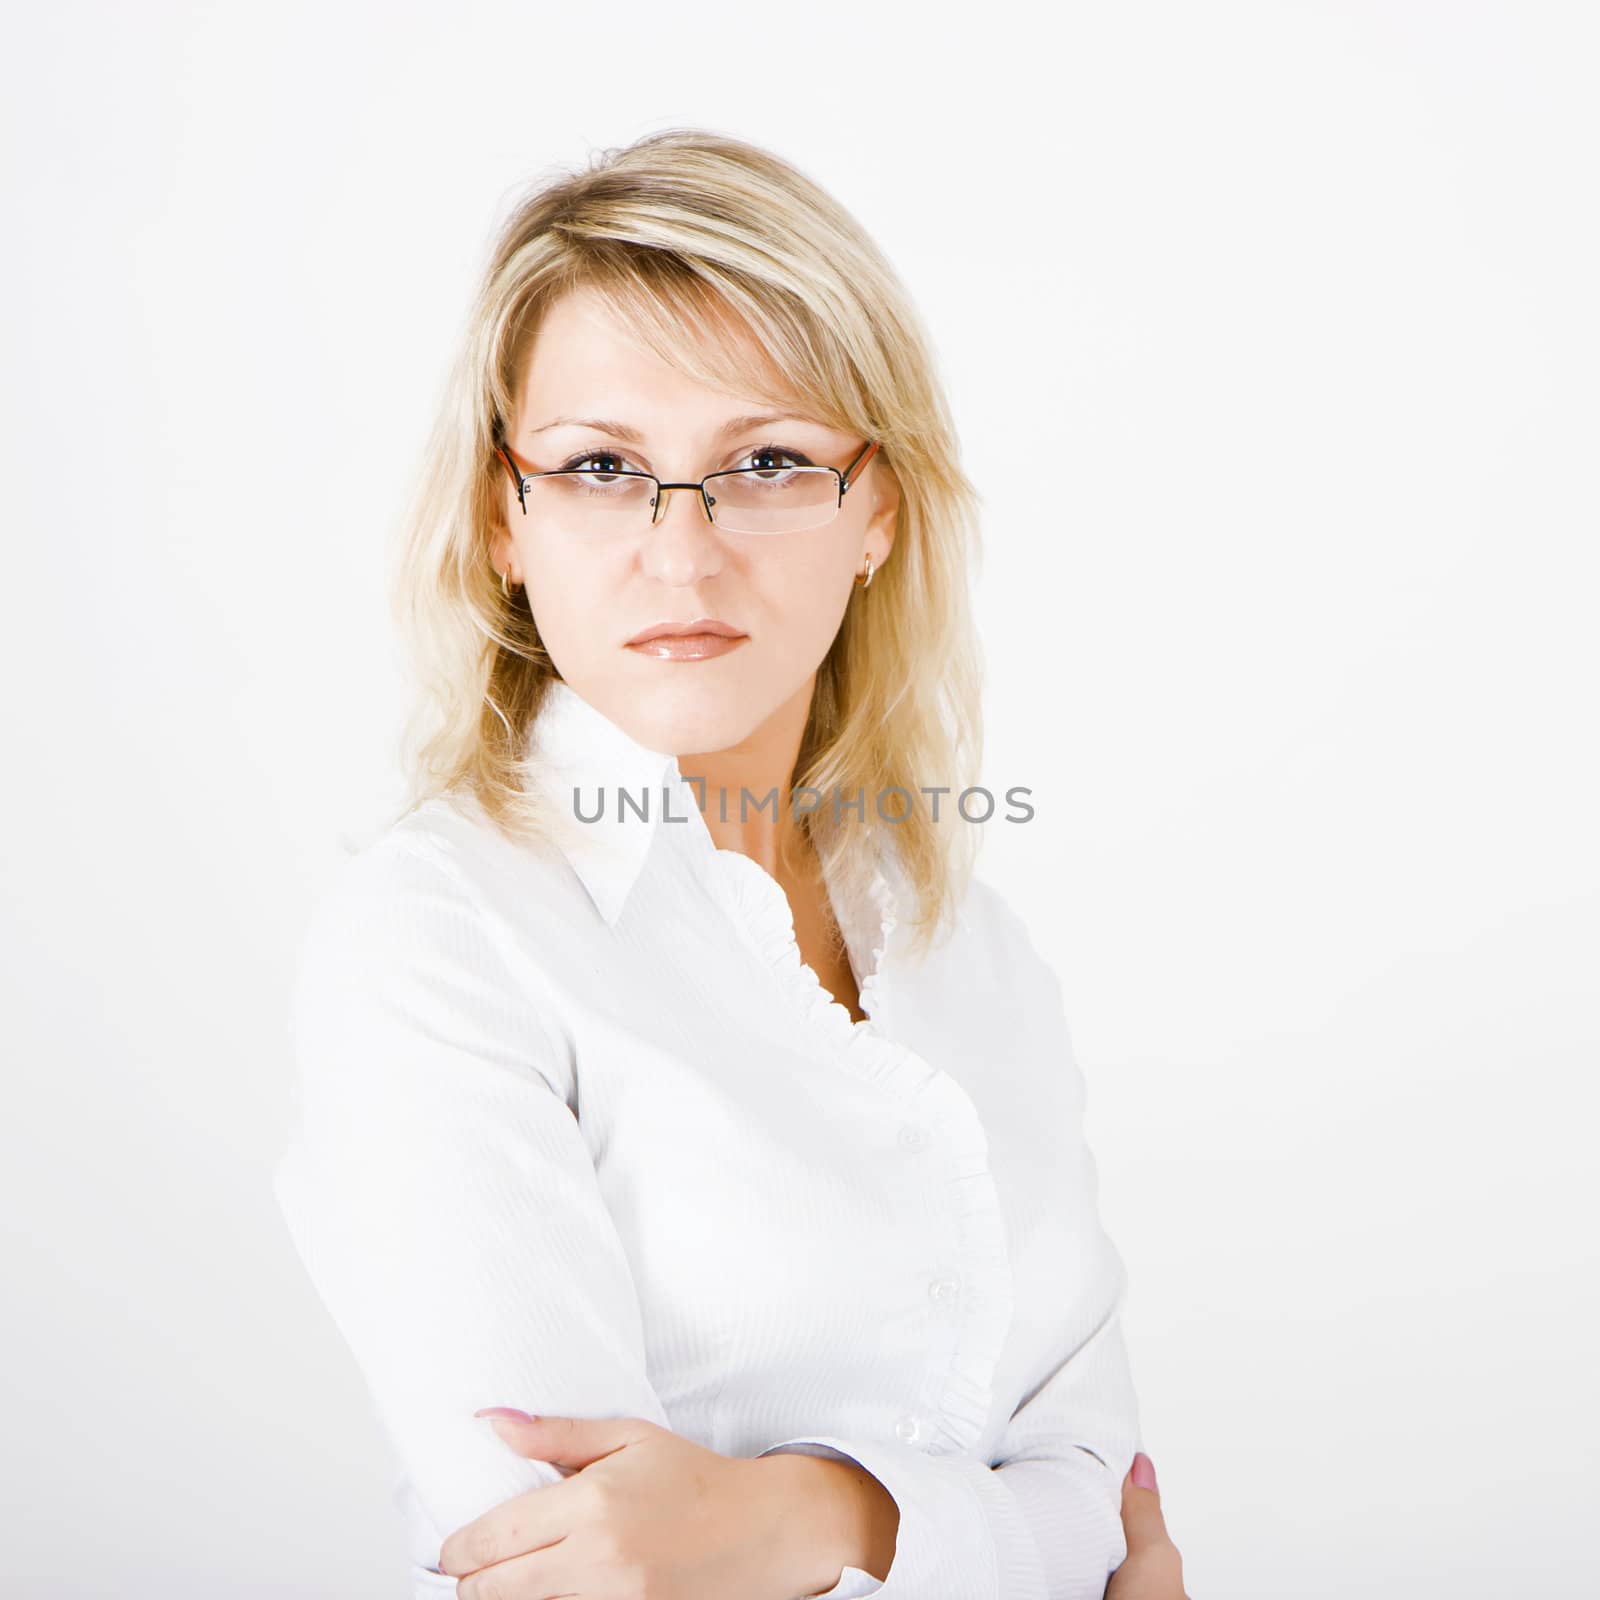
point(957, 1401)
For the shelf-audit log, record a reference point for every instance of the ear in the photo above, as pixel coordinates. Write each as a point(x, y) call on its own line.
point(506, 512)
point(885, 509)
point(502, 553)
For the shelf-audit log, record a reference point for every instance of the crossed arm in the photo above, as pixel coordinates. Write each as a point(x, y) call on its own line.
point(445, 1205)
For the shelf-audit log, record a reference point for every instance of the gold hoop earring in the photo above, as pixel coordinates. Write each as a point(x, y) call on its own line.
point(865, 582)
point(503, 589)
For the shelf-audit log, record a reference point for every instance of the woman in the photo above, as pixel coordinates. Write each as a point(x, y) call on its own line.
point(731, 1132)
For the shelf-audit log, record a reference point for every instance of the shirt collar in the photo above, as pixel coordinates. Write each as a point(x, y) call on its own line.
point(573, 747)
point(582, 761)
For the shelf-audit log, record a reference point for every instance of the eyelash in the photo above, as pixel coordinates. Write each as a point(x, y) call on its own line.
point(578, 460)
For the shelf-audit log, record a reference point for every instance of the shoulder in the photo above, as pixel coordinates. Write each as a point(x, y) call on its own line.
point(388, 882)
point(1001, 946)
point(991, 958)
point(991, 920)
point(427, 868)
point(406, 942)
point(424, 899)
point(1028, 1021)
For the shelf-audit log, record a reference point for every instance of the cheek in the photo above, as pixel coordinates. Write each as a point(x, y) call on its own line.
point(820, 568)
point(568, 594)
point(803, 595)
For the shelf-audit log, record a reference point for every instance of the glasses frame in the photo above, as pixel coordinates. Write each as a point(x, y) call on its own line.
point(846, 476)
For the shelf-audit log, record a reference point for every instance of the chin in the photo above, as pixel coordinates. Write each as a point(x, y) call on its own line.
point(687, 708)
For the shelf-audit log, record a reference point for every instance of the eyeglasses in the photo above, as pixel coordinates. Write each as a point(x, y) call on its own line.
point(759, 500)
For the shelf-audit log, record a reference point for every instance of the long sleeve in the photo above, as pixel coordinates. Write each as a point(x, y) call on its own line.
point(442, 1198)
point(1042, 1520)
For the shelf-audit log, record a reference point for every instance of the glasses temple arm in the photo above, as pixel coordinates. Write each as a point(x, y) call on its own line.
point(848, 477)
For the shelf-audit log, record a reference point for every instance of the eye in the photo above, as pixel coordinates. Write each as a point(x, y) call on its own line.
point(763, 459)
point(607, 463)
point(613, 463)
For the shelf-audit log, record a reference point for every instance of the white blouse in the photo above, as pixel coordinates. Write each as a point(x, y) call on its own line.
point(578, 1131)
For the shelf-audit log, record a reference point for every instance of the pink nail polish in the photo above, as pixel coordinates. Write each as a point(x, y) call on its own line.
point(510, 1413)
point(1144, 1471)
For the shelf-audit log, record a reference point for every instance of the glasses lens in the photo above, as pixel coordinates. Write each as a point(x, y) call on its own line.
point(782, 500)
point(591, 503)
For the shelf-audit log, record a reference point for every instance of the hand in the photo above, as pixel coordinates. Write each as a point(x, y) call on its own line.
point(1153, 1569)
point(647, 1512)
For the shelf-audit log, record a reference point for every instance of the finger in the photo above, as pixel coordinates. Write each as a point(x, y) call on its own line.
point(1142, 1521)
point(541, 1573)
point(574, 1442)
point(529, 1522)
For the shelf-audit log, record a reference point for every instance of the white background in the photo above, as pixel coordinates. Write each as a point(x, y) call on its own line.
point(1271, 331)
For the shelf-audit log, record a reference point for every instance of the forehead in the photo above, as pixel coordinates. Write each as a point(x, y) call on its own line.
point(585, 359)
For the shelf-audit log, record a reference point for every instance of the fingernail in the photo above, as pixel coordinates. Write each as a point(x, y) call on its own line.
point(510, 1413)
point(1144, 1471)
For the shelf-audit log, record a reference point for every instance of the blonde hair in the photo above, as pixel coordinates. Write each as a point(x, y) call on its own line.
point(675, 232)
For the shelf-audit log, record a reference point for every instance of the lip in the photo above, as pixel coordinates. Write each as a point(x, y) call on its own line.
point(688, 641)
point(680, 630)
point(688, 646)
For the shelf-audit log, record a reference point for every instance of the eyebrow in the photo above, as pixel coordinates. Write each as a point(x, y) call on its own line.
point(621, 430)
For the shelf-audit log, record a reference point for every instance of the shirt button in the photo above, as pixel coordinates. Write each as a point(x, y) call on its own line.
point(943, 1289)
point(912, 1137)
point(907, 1428)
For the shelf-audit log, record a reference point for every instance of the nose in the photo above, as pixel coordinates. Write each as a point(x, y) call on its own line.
point(686, 491)
point(682, 547)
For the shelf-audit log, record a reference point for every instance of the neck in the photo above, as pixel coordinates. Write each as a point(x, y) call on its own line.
point(745, 791)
